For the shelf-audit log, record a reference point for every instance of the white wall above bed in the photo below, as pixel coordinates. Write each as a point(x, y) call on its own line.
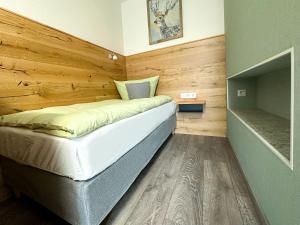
point(119, 25)
point(96, 21)
point(201, 19)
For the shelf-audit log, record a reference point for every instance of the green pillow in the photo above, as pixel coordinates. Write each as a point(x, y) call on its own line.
point(121, 86)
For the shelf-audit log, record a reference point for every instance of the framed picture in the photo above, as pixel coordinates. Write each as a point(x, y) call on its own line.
point(164, 20)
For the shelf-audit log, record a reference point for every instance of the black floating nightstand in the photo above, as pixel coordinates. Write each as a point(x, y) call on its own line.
point(191, 106)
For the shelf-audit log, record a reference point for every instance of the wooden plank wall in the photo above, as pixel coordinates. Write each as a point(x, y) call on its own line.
point(197, 66)
point(41, 67)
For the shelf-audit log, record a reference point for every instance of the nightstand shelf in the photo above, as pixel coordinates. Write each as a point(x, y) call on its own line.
point(191, 106)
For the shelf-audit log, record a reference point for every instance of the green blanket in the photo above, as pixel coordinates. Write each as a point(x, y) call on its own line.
point(80, 119)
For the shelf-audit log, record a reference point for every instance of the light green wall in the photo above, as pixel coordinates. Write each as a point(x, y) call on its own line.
point(256, 30)
point(270, 92)
point(248, 101)
point(274, 93)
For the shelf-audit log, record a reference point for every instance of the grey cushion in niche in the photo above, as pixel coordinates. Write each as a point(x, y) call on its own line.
point(138, 90)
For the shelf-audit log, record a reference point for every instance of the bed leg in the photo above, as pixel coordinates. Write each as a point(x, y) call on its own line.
point(173, 132)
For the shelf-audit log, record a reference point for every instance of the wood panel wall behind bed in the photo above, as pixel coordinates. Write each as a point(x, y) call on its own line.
point(42, 67)
point(197, 66)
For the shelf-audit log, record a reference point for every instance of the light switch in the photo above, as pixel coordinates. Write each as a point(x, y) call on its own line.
point(242, 93)
point(188, 95)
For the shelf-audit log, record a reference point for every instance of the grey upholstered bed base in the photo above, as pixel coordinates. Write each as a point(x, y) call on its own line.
point(86, 202)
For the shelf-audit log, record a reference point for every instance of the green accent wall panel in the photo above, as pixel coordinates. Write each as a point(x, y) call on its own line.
point(248, 101)
point(267, 176)
point(257, 30)
point(274, 93)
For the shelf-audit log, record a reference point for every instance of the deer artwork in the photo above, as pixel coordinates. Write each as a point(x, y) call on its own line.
point(160, 9)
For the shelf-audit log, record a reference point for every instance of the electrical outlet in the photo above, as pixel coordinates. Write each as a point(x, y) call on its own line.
point(242, 93)
point(188, 95)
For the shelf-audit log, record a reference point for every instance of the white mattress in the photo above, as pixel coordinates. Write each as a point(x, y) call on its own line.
point(81, 158)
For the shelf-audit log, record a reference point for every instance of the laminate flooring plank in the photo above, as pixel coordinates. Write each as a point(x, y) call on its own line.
point(239, 182)
point(149, 175)
point(154, 202)
point(186, 203)
point(27, 212)
point(219, 202)
point(214, 152)
point(192, 180)
point(249, 211)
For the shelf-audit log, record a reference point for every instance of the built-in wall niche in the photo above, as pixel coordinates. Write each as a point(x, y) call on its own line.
point(261, 97)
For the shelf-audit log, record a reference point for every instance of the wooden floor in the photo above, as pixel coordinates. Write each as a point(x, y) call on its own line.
point(193, 180)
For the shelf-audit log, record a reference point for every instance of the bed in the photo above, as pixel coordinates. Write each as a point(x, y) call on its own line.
point(81, 179)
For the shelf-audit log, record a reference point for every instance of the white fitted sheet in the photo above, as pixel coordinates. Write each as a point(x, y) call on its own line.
point(81, 158)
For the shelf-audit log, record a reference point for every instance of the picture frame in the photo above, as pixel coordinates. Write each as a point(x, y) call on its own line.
point(164, 20)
